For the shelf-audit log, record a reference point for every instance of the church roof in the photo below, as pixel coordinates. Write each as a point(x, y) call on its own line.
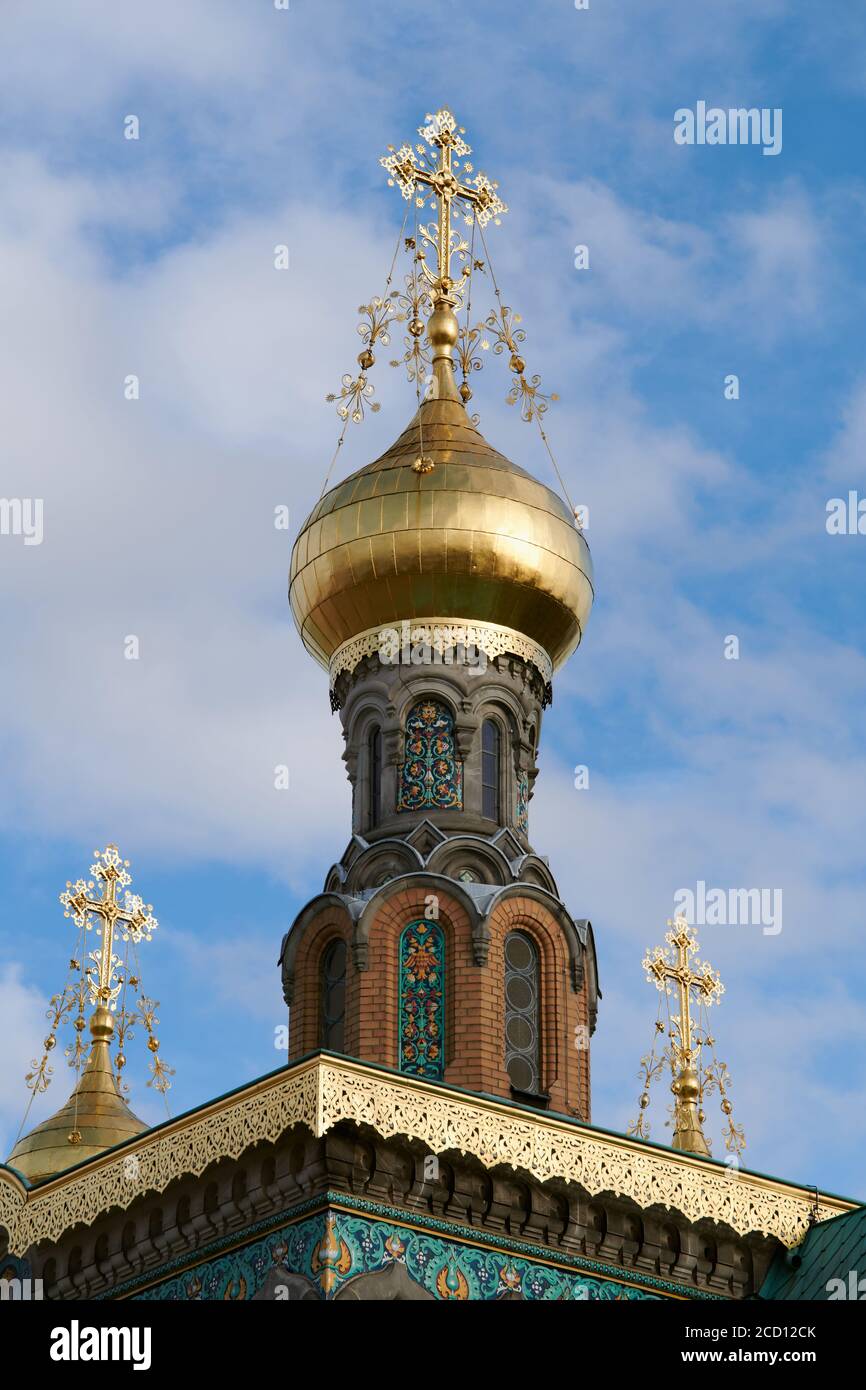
point(823, 1264)
point(322, 1090)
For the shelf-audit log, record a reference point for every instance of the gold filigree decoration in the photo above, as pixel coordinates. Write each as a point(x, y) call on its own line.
point(159, 1071)
point(379, 313)
point(468, 343)
point(61, 1005)
point(77, 1050)
point(356, 392)
point(716, 1077)
point(533, 404)
point(502, 325)
point(457, 246)
point(321, 1092)
point(650, 1067)
point(413, 306)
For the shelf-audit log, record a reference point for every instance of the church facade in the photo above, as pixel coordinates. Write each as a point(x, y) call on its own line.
point(430, 1136)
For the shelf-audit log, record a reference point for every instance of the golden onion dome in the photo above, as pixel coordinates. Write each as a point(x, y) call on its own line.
point(95, 1118)
point(474, 539)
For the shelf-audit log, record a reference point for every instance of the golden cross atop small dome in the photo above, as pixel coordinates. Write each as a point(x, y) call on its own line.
point(676, 971)
point(96, 1116)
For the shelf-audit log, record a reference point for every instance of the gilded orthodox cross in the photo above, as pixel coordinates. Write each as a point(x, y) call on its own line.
point(436, 167)
point(104, 983)
point(675, 969)
point(131, 919)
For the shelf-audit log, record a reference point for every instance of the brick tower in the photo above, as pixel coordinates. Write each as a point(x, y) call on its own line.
point(441, 586)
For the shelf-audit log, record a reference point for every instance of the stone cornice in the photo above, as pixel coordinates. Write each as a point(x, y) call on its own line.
point(321, 1091)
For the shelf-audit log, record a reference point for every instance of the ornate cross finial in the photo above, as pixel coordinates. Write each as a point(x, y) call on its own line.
point(675, 969)
point(432, 170)
point(104, 982)
point(132, 918)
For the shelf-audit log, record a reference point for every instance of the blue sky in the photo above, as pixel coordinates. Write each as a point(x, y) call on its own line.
point(707, 516)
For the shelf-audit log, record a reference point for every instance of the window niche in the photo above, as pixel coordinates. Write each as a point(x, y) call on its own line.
point(523, 1014)
point(374, 776)
point(332, 1030)
point(491, 769)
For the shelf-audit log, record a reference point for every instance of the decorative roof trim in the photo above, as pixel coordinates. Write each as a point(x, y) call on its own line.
point(322, 1091)
point(441, 635)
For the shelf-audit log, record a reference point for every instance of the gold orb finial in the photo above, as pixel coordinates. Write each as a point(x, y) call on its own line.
point(443, 330)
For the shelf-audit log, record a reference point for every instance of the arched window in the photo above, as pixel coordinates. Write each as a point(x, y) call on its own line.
point(522, 1014)
point(432, 775)
point(491, 740)
point(333, 1017)
point(374, 750)
point(422, 1000)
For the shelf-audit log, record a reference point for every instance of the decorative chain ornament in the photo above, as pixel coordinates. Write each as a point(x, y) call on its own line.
point(160, 1073)
point(413, 306)
point(532, 403)
point(39, 1079)
point(76, 1052)
point(356, 392)
point(503, 324)
point(650, 1067)
point(468, 344)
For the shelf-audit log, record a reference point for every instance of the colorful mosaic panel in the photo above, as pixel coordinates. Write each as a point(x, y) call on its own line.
point(318, 1258)
point(522, 802)
point(422, 1000)
point(432, 775)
